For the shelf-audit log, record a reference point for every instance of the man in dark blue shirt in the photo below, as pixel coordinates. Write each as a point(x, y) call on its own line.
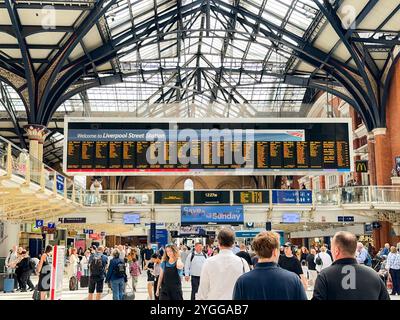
point(268, 281)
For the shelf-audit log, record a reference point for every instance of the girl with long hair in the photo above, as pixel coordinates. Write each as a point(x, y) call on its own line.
point(169, 286)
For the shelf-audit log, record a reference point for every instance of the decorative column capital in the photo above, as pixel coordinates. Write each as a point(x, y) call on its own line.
point(36, 132)
point(379, 131)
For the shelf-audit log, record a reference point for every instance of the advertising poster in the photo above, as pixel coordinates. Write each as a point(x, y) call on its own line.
point(212, 215)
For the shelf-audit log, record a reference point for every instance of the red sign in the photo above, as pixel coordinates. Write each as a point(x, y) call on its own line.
point(95, 236)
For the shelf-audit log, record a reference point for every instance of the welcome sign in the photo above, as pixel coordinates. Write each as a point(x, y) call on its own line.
point(212, 215)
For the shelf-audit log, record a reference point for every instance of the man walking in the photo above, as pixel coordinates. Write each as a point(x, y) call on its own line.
point(290, 262)
point(193, 265)
point(97, 267)
point(346, 279)
point(220, 272)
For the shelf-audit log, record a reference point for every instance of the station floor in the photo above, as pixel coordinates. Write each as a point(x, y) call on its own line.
point(82, 293)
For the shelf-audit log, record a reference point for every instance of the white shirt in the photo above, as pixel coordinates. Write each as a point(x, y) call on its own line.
point(326, 261)
point(219, 276)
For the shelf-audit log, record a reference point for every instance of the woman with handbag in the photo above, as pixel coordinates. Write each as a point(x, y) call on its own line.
point(44, 272)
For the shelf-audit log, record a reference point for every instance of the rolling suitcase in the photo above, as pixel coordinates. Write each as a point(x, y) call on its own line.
point(8, 285)
point(73, 283)
point(84, 282)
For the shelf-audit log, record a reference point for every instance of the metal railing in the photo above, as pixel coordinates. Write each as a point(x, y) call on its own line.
point(17, 162)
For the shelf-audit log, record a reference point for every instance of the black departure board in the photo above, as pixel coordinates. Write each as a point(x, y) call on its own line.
point(275, 155)
point(87, 160)
point(263, 148)
point(250, 197)
point(128, 154)
point(211, 197)
point(101, 155)
point(74, 154)
point(303, 155)
point(115, 154)
point(172, 197)
point(289, 155)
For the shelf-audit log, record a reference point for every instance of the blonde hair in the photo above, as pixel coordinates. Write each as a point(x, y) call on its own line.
point(175, 252)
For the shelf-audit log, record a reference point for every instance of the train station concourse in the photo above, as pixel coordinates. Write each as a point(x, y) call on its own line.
point(199, 150)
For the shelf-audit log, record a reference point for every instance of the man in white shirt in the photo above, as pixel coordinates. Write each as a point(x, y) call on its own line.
point(193, 265)
point(220, 273)
point(325, 259)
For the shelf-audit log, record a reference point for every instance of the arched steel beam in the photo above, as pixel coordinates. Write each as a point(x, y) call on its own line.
point(28, 65)
point(62, 55)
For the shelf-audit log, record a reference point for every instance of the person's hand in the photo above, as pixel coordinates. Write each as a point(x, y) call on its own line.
point(179, 264)
point(158, 292)
point(187, 278)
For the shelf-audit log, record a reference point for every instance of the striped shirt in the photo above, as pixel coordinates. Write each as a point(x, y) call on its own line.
point(393, 261)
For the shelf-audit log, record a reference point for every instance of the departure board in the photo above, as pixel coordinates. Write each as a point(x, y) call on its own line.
point(119, 146)
point(172, 197)
point(211, 197)
point(74, 154)
point(250, 197)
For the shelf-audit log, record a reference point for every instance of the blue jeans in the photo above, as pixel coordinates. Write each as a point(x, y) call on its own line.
point(117, 287)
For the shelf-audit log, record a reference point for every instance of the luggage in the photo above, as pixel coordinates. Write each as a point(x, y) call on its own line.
point(9, 285)
point(36, 294)
point(73, 283)
point(84, 282)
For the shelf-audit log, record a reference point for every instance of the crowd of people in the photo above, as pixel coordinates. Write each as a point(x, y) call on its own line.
point(263, 271)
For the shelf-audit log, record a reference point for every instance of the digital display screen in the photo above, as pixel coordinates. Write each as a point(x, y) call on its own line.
point(211, 197)
point(250, 197)
point(171, 197)
point(256, 148)
point(131, 218)
point(232, 215)
point(291, 218)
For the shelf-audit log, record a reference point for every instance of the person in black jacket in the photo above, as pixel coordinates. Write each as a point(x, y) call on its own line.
point(345, 279)
point(24, 270)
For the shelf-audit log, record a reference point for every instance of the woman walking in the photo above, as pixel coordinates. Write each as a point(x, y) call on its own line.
point(116, 276)
point(169, 285)
point(44, 271)
point(135, 272)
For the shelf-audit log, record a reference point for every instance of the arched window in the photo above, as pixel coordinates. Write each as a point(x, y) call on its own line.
point(188, 184)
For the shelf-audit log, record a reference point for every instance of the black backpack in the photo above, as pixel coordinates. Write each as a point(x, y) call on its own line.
point(193, 253)
point(96, 266)
point(119, 269)
point(318, 260)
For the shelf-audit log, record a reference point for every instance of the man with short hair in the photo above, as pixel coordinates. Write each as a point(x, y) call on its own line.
point(361, 254)
point(312, 271)
point(97, 268)
point(346, 279)
point(220, 272)
point(290, 262)
point(193, 265)
point(244, 254)
point(148, 252)
point(268, 281)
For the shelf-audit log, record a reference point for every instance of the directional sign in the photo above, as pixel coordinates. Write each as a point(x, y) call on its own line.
point(346, 219)
point(39, 223)
point(51, 225)
point(90, 231)
point(376, 225)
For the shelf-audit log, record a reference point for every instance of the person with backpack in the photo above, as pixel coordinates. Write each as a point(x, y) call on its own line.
point(194, 264)
point(116, 276)
point(322, 260)
point(97, 269)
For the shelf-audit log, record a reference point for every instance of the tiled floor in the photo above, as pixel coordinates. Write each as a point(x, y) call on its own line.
point(82, 293)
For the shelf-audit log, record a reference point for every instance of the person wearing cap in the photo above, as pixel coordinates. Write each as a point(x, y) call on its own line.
point(193, 265)
point(290, 262)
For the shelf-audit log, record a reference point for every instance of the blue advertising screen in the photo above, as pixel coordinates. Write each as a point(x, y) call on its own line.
point(212, 215)
point(292, 196)
point(162, 237)
point(131, 218)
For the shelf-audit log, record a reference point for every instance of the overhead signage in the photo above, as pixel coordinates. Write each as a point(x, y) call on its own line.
point(162, 237)
point(250, 197)
point(131, 218)
point(72, 220)
point(192, 231)
point(172, 197)
point(376, 225)
point(291, 196)
point(212, 215)
point(39, 223)
point(51, 225)
point(57, 273)
point(103, 234)
point(153, 233)
point(34, 229)
point(48, 230)
point(246, 233)
point(211, 197)
point(362, 166)
point(368, 228)
point(206, 146)
point(60, 183)
point(346, 219)
point(291, 218)
point(87, 231)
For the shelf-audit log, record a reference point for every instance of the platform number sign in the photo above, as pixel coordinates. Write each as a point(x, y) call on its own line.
point(39, 223)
